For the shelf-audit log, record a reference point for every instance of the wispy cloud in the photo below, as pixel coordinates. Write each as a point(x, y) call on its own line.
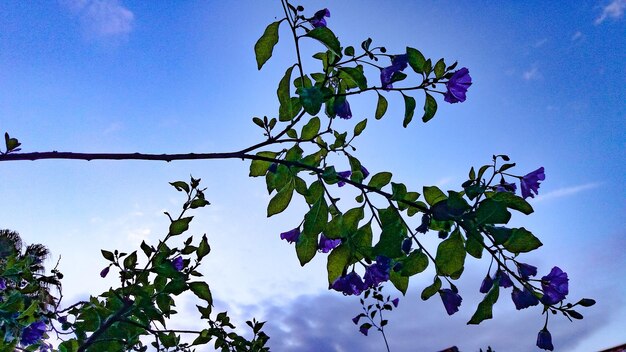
point(567, 191)
point(578, 36)
point(615, 10)
point(102, 18)
point(531, 74)
point(540, 43)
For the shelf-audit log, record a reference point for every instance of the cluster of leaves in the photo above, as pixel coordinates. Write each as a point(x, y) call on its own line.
point(470, 221)
point(119, 319)
point(26, 298)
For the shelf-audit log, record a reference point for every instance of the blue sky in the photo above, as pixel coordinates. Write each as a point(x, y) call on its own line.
point(162, 77)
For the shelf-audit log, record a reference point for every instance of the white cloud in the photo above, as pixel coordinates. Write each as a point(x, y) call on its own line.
point(578, 36)
point(102, 18)
point(615, 10)
point(567, 191)
point(540, 43)
point(531, 74)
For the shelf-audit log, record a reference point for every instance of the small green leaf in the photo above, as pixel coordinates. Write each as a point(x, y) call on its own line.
point(399, 281)
point(484, 310)
point(430, 108)
point(451, 254)
point(492, 212)
point(265, 45)
point(311, 99)
point(522, 241)
point(311, 129)
point(416, 59)
point(349, 51)
point(326, 37)
point(409, 109)
point(380, 180)
point(288, 109)
point(381, 107)
point(201, 290)
point(360, 127)
point(259, 167)
point(203, 248)
point(474, 244)
point(433, 195)
point(107, 255)
point(280, 201)
point(415, 263)
point(398, 191)
point(432, 289)
point(179, 226)
point(338, 260)
point(440, 68)
point(513, 202)
point(131, 261)
point(180, 186)
point(356, 74)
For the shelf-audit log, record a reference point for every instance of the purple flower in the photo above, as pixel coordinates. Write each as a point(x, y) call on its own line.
point(395, 302)
point(33, 333)
point(451, 300)
point(364, 171)
point(291, 236)
point(523, 299)
point(406, 245)
point(105, 271)
point(342, 108)
point(457, 86)
point(178, 263)
point(272, 168)
point(554, 286)
point(344, 174)
point(506, 187)
point(526, 270)
point(398, 63)
point(3, 284)
point(318, 19)
point(486, 285)
point(326, 244)
point(350, 284)
point(505, 280)
point(377, 273)
point(530, 183)
point(544, 340)
point(356, 319)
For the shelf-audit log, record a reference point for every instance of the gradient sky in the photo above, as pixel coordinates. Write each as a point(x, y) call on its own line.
point(162, 77)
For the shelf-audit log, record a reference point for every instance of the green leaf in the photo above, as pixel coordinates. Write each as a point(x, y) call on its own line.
point(360, 127)
point(522, 241)
point(203, 249)
point(108, 255)
point(180, 186)
point(176, 286)
point(311, 129)
point(380, 180)
point(147, 250)
point(440, 68)
point(201, 290)
point(338, 260)
point(326, 37)
point(199, 203)
point(430, 108)
point(398, 191)
point(409, 109)
point(484, 310)
point(433, 195)
point(289, 106)
point(131, 261)
point(69, 346)
point(179, 226)
point(492, 212)
point(314, 222)
point(349, 51)
point(432, 289)
point(311, 99)
point(415, 263)
point(392, 234)
point(280, 201)
point(451, 254)
point(259, 167)
point(500, 234)
point(399, 281)
point(355, 74)
point(513, 202)
point(474, 244)
point(416, 59)
point(381, 107)
point(265, 45)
